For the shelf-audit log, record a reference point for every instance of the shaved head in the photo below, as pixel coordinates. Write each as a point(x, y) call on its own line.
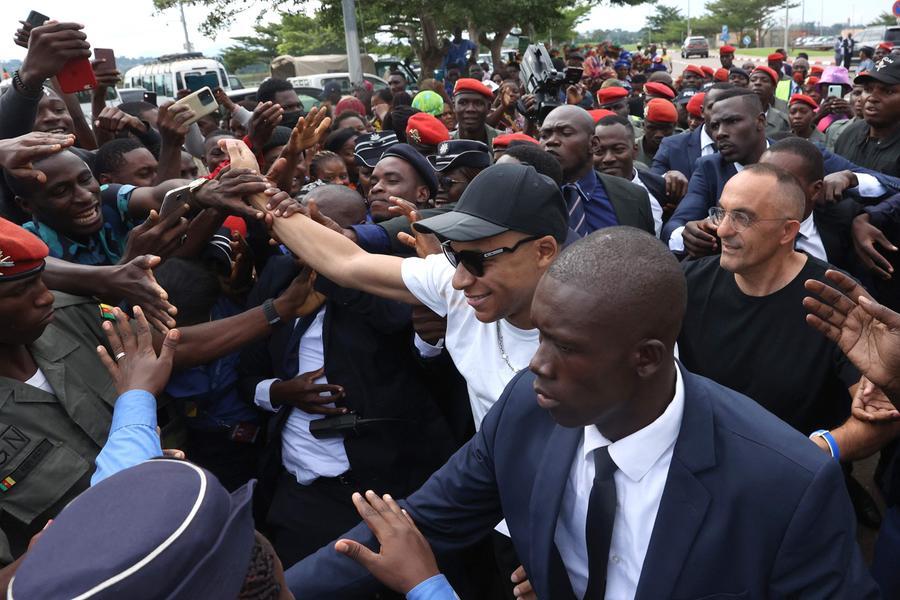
point(629, 273)
point(790, 200)
point(340, 203)
point(574, 115)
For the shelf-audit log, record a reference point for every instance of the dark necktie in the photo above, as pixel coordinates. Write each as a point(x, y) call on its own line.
point(600, 517)
point(575, 205)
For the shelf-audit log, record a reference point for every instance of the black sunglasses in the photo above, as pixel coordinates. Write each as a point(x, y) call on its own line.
point(474, 261)
point(447, 182)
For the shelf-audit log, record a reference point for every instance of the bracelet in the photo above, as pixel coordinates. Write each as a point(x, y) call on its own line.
point(829, 439)
point(24, 89)
point(269, 311)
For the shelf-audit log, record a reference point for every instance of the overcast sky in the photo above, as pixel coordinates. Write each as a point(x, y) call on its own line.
point(131, 28)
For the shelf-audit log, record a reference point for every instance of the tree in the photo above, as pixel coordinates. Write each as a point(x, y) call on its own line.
point(884, 18)
point(250, 50)
point(746, 15)
point(301, 34)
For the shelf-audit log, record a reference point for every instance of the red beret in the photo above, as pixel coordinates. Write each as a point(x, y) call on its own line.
point(424, 128)
point(695, 104)
point(721, 75)
point(768, 71)
point(693, 69)
point(467, 84)
point(349, 103)
point(21, 252)
point(610, 94)
point(816, 70)
point(234, 223)
point(886, 46)
point(504, 140)
point(599, 113)
point(655, 88)
point(803, 99)
point(707, 71)
point(775, 56)
point(812, 80)
point(661, 111)
point(726, 49)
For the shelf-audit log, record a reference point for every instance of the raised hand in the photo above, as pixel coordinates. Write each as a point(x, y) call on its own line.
point(310, 129)
point(114, 121)
point(50, 46)
point(17, 154)
point(867, 332)
point(134, 364)
point(159, 236)
point(134, 281)
point(423, 243)
point(866, 239)
point(266, 117)
point(405, 559)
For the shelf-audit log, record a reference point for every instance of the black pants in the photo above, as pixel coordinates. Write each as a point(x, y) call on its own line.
point(233, 463)
point(303, 518)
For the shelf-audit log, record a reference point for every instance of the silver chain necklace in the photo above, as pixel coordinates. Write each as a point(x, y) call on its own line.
point(503, 353)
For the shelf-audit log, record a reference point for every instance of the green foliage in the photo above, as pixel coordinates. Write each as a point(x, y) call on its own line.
point(741, 16)
point(307, 35)
point(885, 18)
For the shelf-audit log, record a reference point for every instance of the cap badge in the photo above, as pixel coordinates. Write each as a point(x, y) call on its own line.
point(443, 148)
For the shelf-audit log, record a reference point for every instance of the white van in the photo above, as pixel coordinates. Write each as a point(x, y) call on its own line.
point(174, 72)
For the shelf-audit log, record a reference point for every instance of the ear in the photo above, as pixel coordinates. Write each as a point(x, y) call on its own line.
point(548, 249)
point(649, 356)
point(761, 121)
point(423, 195)
point(634, 151)
point(24, 204)
point(104, 178)
point(815, 190)
point(594, 143)
point(791, 229)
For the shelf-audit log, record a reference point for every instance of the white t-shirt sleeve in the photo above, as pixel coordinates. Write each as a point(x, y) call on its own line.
point(430, 280)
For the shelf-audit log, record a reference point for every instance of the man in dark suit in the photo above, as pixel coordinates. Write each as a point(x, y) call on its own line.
point(615, 155)
point(594, 200)
point(608, 434)
point(825, 228)
point(349, 354)
point(738, 124)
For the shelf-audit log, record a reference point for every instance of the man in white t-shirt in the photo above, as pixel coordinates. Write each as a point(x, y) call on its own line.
point(506, 229)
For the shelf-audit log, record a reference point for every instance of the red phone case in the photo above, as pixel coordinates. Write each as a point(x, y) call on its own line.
point(76, 75)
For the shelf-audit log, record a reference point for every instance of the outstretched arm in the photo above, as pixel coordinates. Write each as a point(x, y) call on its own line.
point(326, 251)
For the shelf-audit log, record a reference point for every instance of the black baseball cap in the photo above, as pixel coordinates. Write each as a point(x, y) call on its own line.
point(504, 197)
point(887, 71)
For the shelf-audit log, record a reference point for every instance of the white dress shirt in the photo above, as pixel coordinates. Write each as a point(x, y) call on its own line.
point(302, 455)
point(643, 460)
point(655, 206)
point(809, 240)
point(707, 144)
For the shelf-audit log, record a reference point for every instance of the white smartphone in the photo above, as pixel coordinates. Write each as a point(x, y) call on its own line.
point(202, 102)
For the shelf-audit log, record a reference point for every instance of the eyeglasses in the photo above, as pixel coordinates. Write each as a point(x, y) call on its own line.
point(474, 261)
point(739, 220)
point(447, 182)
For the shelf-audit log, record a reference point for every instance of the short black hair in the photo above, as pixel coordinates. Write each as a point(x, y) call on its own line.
point(616, 120)
point(385, 94)
point(535, 156)
point(813, 163)
point(336, 122)
point(218, 133)
point(750, 98)
point(191, 286)
point(396, 72)
point(401, 99)
point(111, 155)
point(280, 136)
point(397, 119)
point(268, 88)
point(867, 51)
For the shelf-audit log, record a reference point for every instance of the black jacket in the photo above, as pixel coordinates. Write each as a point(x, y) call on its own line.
point(368, 350)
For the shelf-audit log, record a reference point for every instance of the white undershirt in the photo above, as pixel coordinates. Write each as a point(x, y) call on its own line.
point(39, 381)
point(643, 460)
point(809, 240)
point(655, 206)
point(302, 455)
point(707, 144)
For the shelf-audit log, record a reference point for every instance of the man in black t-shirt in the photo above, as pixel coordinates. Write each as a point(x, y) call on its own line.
point(745, 325)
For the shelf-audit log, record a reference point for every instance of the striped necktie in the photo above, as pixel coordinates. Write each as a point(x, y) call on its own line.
point(575, 199)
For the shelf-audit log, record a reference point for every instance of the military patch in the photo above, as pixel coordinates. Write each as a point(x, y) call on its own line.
point(106, 312)
point(26, 466)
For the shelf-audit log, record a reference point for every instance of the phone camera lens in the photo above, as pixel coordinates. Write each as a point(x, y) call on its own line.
point(206, 97)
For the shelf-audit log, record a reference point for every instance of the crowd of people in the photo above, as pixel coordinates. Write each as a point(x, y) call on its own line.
point(446, 339)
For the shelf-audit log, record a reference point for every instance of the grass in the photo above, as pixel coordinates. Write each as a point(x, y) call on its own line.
point(768, 51)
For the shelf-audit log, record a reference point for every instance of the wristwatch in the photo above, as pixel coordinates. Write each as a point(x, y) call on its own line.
point(269, 311)
point(829, 439)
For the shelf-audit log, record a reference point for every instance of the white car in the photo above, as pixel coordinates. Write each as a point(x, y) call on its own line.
point(319, 81)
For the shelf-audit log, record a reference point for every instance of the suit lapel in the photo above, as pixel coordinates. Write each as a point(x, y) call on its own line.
point(685, 500)
point(693, 147)
point(830, 238)
point(546, 497)
point(625, 202)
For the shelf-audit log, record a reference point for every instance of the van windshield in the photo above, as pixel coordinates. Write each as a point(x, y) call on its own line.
point(892, 35)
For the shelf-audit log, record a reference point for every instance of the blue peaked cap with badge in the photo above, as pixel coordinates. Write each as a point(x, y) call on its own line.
point(164, 529)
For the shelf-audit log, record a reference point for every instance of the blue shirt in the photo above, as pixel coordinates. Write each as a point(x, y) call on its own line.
point(132, 435)
point(372, 238)
point(104, 247)
point(434, 588)
point(598, 209)
point(457, 54)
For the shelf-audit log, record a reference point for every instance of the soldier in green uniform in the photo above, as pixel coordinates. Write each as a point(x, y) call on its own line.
point(56, 397)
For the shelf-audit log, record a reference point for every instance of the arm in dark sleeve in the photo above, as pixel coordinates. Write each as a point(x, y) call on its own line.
point(372, 238)
point(661, 164)
point(455, 508)
point(836, 162)
point(693, 207)
point(17, 113)
point(885, 212)
point(819, 556)
point(387, 316)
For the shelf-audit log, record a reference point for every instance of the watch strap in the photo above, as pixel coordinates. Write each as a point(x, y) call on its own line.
point(269, 311)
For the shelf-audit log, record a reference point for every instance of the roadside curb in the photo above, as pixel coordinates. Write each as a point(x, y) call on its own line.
point(761, 59)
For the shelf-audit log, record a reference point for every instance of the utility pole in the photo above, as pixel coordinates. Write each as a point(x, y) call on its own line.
point(689, 19)
point(786, 9)
point(188, 47)
point(351, 38)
